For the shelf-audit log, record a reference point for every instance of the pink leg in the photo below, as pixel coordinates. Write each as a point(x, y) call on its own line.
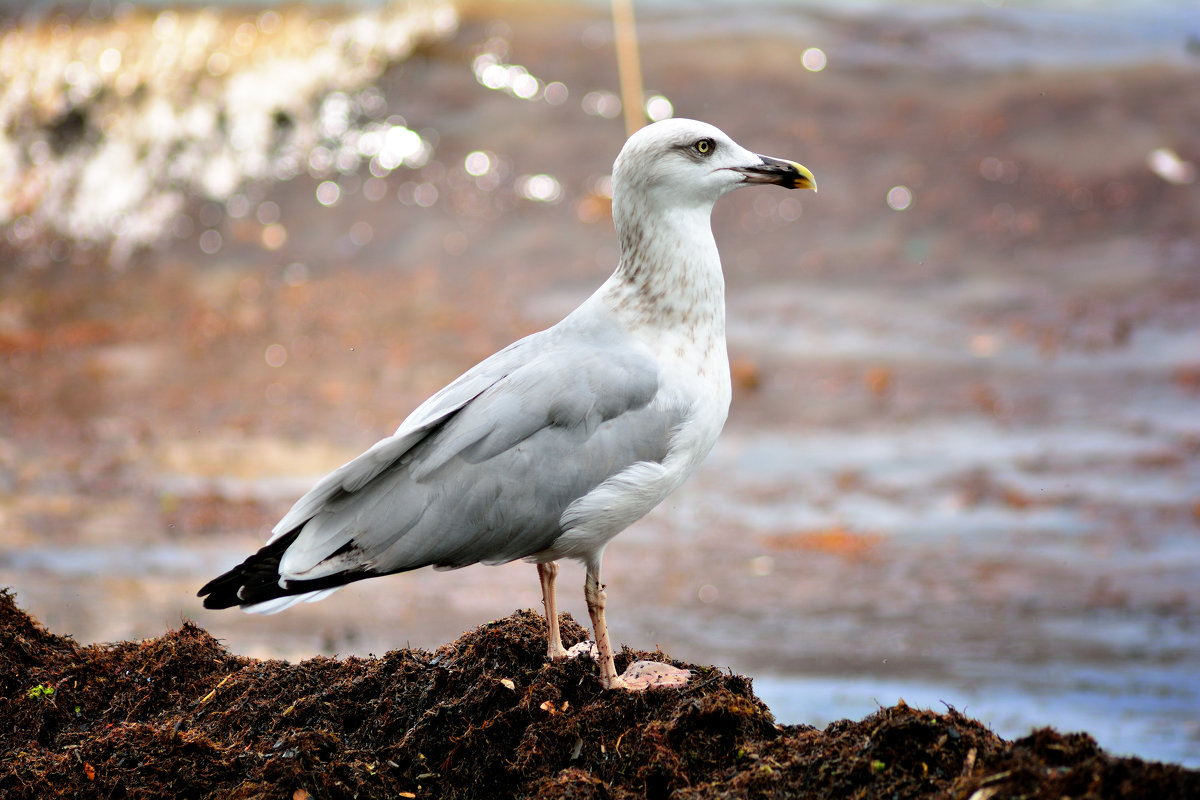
point(640, 674)
point(593, 593)
point(546, 574)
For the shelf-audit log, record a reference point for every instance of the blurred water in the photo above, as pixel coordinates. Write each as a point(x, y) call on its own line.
point(1158, 722)
point(116, 122)
point(113, 116)
point(979, 34)
point(975, 487)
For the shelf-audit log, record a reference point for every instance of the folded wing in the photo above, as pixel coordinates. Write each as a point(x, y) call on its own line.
point(481, 472)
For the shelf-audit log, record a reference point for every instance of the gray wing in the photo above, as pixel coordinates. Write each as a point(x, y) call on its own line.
point(357, 473)
point(489, 480)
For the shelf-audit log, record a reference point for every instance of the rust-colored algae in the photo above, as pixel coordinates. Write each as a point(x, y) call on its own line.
point(486, 716)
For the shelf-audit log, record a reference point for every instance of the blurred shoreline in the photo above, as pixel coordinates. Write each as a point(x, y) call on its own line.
point(963, 452)
point(113, 116)
point(111, 125)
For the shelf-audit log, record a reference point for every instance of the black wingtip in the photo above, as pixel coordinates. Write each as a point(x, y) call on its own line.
point(255, 580)
point(222, 592)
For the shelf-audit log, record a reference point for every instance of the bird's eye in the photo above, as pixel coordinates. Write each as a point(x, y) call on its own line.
point(704, 146)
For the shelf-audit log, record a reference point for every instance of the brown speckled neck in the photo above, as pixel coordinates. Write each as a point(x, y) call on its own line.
point(670, 270)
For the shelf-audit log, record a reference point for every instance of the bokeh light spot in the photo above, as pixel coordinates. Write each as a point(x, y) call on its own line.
point(493, 76)
point(276, 355)
point(477, 163)
point(899, 198)
point(268, 212)
point(218, 64)
point(1166, 164)
point(164, 25)
point(525, 86)
point(328, 193)
point(237, 206)
point(274, 236)
point(268, 22)
point(790, 209)
point(110, 60)
point(370, 143)
point(602, 186)
point(320, 160)
point(23, 227)
point(659, 108)
point(425, 195)
point(602, 104)
point(813, 59)
point(210, 242)
point(540, 188)
point(555, 93)
point(399, 145)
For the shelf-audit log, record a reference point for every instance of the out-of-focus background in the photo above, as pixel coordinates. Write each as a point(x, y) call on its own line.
point(238, 244)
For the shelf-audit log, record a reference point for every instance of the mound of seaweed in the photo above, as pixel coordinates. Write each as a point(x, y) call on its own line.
point(486, 716)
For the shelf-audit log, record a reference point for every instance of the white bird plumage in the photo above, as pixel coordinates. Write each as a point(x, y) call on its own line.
point(554, 445)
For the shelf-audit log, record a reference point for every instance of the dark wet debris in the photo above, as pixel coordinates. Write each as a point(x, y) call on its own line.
point(179, 716)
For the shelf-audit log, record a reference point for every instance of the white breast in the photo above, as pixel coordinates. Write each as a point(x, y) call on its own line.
point(694, 374)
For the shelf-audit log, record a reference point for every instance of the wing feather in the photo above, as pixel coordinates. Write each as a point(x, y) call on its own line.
point(357, 473)
point(486, 471)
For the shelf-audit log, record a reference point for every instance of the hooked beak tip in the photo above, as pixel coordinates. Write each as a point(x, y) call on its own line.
point(803, 178)
point(788, 174)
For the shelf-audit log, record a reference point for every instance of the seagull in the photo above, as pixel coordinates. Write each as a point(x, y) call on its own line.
point(554, 445)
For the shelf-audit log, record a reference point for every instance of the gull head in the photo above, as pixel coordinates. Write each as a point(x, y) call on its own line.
point(685, 163)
